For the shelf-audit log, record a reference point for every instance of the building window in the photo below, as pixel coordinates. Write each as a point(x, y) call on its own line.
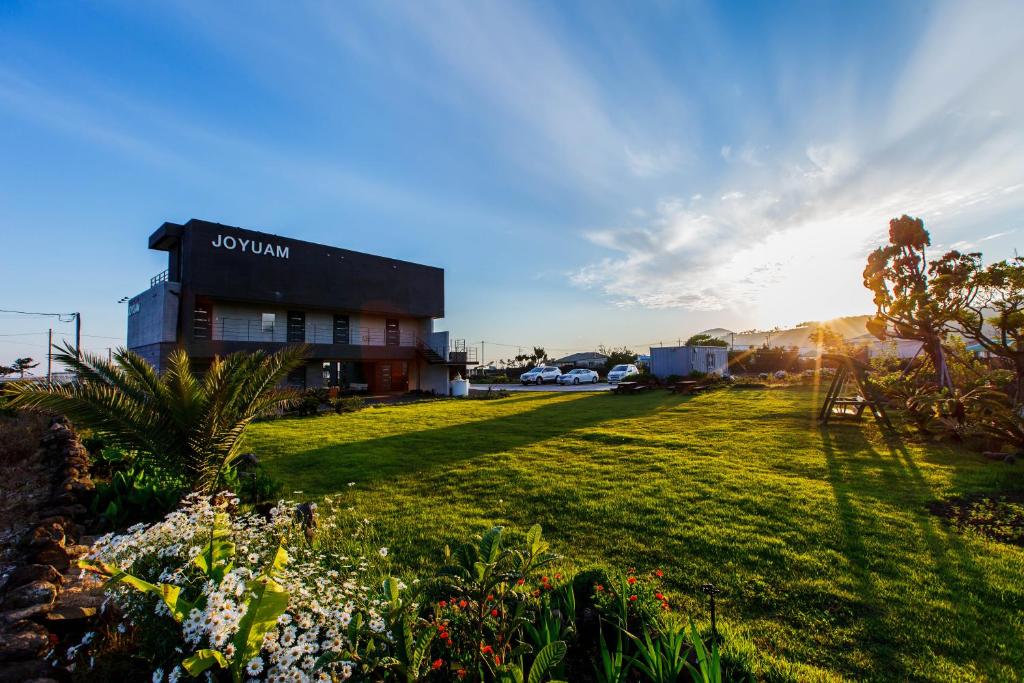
point(297, 377)
point(267, 323)
point(341, 330)
point(392, 335)
point(296, 326)
point(201, 322)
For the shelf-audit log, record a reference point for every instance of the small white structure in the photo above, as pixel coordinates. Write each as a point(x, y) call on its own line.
point(459, 387)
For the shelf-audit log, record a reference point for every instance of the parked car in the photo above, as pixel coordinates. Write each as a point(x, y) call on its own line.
point(541, 375)
point(579, 376)
point(616, 374)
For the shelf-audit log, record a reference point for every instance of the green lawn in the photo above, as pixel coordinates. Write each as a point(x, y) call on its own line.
point(829, 563)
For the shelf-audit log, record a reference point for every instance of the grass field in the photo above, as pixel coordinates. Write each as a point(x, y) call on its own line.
point(830, 565)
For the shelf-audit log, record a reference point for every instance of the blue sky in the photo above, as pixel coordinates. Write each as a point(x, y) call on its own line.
point(586, 173)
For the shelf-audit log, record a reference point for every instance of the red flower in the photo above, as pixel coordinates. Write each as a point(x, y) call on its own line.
point(520, 582)
point(497, 659)
point(486, 649)
point(659, 596)
point(631, 580)
point(443, 635)
point(461, 673)
point(543, 579)
point(659, 573)
point(463, 604)
point(448, 642)
point(494, 612)
point(599, 587)
point(490, 598)
point(664, 605)
point(632, 598)
point(438, 663)
point(442, 604)
point(558, 576)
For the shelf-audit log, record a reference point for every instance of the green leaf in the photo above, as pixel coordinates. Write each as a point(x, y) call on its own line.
point(549, 656)
point(490, 545)
point(533, 537)
point(203, 660)
point(267, 602)
point(510, 674)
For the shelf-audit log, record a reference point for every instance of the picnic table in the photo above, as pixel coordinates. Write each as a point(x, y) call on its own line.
point(629, 387)
point(687, 386)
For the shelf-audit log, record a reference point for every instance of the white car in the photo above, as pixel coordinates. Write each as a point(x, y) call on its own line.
point(579, 376)
point(616, 374)
point(541, 375)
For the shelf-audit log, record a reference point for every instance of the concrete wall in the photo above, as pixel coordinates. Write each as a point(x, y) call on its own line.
point(432, 378)
point(153, 316)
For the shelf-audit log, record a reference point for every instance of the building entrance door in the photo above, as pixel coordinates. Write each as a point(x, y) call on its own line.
point(385, 376)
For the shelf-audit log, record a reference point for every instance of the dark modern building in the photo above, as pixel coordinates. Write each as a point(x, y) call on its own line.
point(368, 320)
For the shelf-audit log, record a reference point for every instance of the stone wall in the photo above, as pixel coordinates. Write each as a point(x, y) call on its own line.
point(43, 600)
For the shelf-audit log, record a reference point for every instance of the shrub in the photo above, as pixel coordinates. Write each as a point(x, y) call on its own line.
point(249, 594)
point(348, 404)
point(175, 420)
point(308, 404)
point(134, 492)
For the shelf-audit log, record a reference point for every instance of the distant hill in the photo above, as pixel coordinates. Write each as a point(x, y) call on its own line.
point(848, 326)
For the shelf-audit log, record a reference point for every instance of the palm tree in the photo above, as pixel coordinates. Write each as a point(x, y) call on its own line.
point(176, 421)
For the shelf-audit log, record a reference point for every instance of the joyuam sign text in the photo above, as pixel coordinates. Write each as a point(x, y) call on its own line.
point(249, 246)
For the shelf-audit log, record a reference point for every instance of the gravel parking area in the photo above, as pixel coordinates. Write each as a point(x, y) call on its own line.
point(600, 386)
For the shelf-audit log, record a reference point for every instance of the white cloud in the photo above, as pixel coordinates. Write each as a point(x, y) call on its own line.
point(794, 233)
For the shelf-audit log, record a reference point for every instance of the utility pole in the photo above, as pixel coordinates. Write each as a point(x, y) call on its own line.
point(483, 358)
point(109, 359)
point(78, 335)
point(49, 356)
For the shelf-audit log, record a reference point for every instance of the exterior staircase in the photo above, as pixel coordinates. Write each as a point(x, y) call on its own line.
point(430, 355)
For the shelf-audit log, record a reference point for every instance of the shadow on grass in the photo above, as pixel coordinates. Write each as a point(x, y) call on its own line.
point(328, 469)
point(854, 479)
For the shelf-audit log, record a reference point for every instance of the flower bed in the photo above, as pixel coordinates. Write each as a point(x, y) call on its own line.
point(215, 591)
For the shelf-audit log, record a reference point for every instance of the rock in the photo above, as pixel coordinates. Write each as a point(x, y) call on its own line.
point(65, 499)
point(24, 640)
point(34, 572)
point(70, 511)
point(44, 535)
point(69, 613)
point(19, 672)
point(53, 555)
point(25, 613)
point(59, 520)
point(34, 593)
point(76, 551)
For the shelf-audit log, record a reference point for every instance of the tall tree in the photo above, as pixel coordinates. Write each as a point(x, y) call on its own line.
point(910, 302)
point(825, 337)
point(175, 421)
point(22, 365)
point(705, 340)
point(992, 310)
point(617, 356)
